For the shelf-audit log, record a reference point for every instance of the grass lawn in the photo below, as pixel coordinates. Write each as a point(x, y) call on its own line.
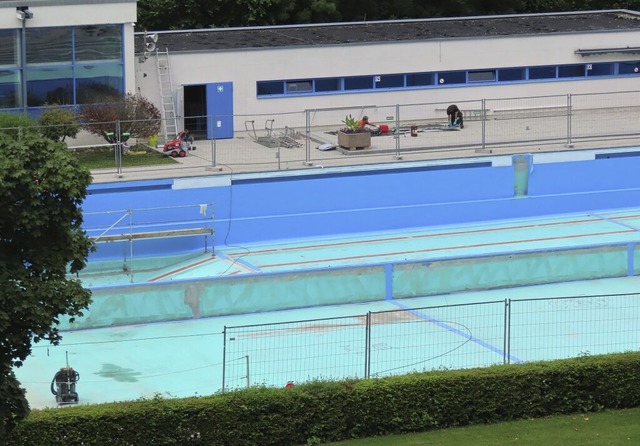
point(138, 156)
point(615, 427)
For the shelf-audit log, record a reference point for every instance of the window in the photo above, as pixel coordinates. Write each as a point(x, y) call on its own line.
point(299, 86)
point(270, 88)
point(571, 70)
point(390, 81)
point(9, 49)
point(452, 77)
point(420, 79)
point(48, 86)
point(548, 72)
point(434, 80)
point(482, 76)
point(358, 83)
point(48, 46)
point(62, 66)
point(94, 83)
point(600, 69)
point(10, 91)
point(328, 84)
point(628, 67)
point(512, 74)
point(98, 43)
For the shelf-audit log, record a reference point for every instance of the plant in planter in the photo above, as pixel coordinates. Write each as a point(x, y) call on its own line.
point(352, 136)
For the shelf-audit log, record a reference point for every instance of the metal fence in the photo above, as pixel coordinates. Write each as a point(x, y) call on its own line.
point(291, 139)
point(405, 340)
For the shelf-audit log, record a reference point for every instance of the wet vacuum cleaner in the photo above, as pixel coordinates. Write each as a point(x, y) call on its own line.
point(63, 385)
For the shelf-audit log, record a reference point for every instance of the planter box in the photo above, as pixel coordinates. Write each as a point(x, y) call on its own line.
point(354, 140)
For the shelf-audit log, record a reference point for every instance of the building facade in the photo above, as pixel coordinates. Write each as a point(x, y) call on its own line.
point(72, 52)
point(64, 52)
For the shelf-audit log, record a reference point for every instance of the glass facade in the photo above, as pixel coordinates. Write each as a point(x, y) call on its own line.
point(61, 66)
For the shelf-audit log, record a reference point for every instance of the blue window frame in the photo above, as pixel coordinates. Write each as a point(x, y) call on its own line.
point(327, 84)
point(452, 77)
point(358, 83)
point(389, 81)
point(548, 72)
point(8, 48)
point(628, 67)
point(10, 91)
point(301, 86)
point(64, 65)
point(269, 88)
point(420, 79)
point(571, 70)
point(482, 76)
point(400, 81)
point(600, 69)
point(512, 74)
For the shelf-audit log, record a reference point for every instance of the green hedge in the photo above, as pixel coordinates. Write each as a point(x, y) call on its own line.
point(331, 411)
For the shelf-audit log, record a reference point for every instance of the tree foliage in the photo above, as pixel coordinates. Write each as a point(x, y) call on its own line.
point(196, 14)
point(136, 116)
point(58, 123)
point(41, 190)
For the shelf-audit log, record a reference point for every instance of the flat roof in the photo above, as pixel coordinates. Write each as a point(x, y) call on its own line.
point(220, 39)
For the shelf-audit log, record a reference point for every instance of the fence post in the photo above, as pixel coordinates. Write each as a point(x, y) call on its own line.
point(507, 332)
point(213, 147)
point(307, 132)
point(569, 116)
point(396, 135)
point(118, 150)
point(483, 142)
point(367, 347)
point(224, 357)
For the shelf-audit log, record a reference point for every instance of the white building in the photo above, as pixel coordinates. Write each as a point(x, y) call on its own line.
point(240, 71)
point(64, 52)
point(71, 52)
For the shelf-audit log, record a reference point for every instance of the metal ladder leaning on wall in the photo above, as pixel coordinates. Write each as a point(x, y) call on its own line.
point(169, 118)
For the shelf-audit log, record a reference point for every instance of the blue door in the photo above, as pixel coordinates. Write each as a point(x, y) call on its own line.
point(220, 110)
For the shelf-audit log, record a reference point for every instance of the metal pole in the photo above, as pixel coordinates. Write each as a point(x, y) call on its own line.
point(507, 331)
point(483, 143)
point(569, 116)
point(224, 356)
point(248, 381)
point(214, 146)
point(367, 345)
point(397, 133)
point(131, 245)
point(23, 56)
point(307, 131)
point(118, 150)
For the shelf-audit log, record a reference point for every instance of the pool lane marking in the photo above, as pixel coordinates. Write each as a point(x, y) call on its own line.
point(453, 330)
point(439, 234)
point(416, 251)
point(243, 264)
point(239, 262)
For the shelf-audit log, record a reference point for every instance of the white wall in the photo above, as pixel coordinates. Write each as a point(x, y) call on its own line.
point(245, 67)
point(70, 15)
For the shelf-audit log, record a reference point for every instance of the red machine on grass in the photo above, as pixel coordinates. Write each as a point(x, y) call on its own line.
point(180, 146)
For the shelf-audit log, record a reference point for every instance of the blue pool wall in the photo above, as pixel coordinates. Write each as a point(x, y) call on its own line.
point(260, 208)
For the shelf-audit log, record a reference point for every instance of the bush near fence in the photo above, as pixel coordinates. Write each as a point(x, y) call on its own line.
point(332, 411)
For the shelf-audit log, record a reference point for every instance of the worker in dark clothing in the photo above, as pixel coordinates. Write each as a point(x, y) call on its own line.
point(454, 116)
